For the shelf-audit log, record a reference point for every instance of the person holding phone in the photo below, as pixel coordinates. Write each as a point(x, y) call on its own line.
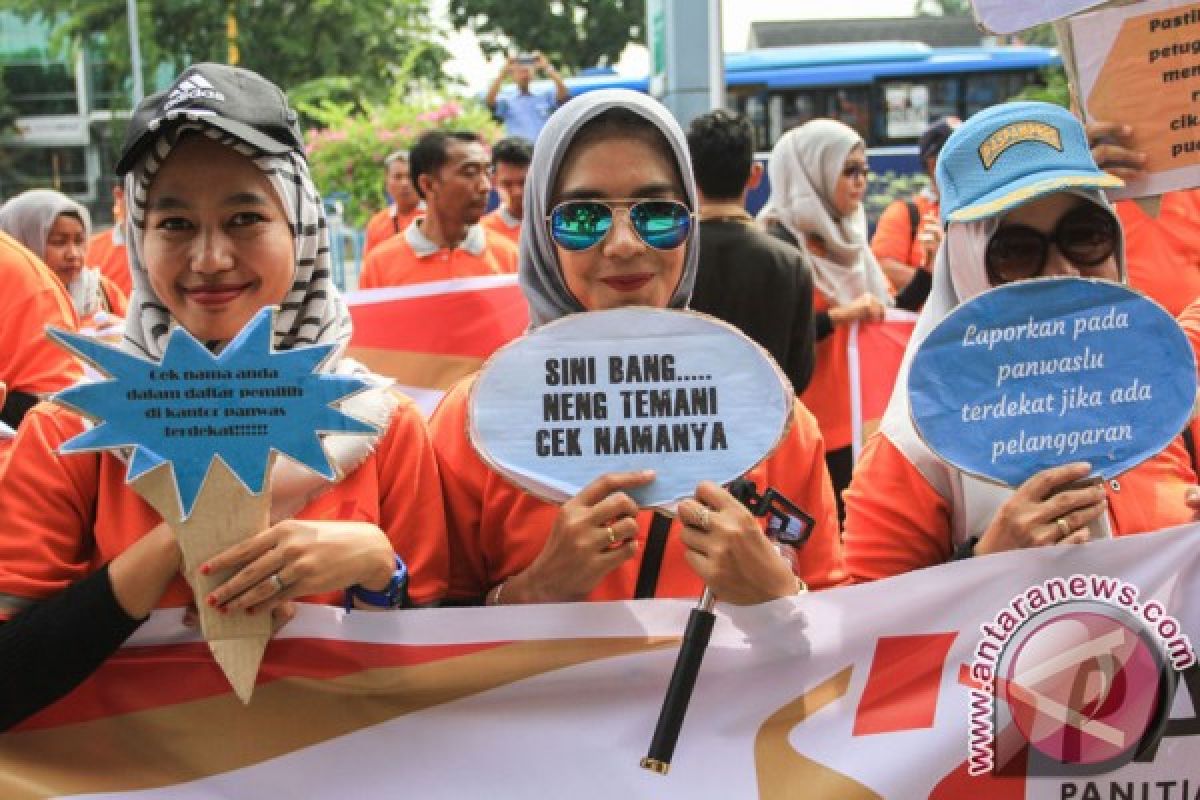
point(526, 110)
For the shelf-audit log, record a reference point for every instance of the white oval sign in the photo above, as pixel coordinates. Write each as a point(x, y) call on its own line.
point(679, 392)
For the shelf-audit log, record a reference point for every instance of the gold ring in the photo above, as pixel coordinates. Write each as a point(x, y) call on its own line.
point(1063, 527)
point(702, 522)
point(612, 535)
point(277, 582)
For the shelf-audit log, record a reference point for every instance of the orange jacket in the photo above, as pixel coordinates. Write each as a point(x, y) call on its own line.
point(496, 530)
point(894, 235)
point(112, 259)
point(397, 263)
point(896, 522)
point(62, 517)
point(385, 224)
point(33, 298)
point(497, 224)
point(1162, 254)
point(828, 392)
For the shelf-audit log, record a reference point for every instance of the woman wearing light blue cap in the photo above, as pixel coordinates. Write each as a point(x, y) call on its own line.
point(1021, 199)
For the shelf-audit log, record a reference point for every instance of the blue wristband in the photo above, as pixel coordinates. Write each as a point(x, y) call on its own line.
point(394, 595)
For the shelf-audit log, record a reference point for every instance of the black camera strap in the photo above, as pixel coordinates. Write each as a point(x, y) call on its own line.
point(652, 557)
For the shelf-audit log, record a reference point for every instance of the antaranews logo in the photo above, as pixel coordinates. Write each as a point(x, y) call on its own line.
point(1076, 677)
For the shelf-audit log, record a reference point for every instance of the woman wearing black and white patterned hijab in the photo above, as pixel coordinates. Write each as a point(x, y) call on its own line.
point(312, 312)
point(224, 222)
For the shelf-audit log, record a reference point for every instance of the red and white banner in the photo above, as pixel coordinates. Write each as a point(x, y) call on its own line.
point(429, 335)
point(861, 692)
point(875, 352)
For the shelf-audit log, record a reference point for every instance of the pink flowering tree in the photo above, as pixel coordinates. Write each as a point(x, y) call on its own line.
point(347, 147)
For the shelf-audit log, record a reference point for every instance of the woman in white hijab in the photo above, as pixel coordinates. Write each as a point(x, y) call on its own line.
point(56, 229)
point(616, 159)
point(818, 175)
point(1034, 207)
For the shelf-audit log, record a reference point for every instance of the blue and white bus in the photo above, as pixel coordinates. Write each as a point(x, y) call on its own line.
point(888, 91)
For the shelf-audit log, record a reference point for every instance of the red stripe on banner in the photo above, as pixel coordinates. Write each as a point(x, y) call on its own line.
point(194, 674)
point(902, 688)
point(462, 323)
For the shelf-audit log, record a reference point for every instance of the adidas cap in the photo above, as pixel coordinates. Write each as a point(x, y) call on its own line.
point(235, 100)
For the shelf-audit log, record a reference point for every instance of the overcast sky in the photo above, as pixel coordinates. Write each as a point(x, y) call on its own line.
point(736, 17)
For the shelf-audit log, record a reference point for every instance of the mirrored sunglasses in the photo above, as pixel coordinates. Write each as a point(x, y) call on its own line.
point(581, 224)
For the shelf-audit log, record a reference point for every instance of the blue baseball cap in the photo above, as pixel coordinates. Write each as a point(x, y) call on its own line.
point(1010, 154)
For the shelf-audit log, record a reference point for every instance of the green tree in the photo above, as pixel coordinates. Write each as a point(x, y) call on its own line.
point(571, 33)
point(8, 119)
point(292, 42)
point(1055, 90)
point(8, 114)
point(941, 8)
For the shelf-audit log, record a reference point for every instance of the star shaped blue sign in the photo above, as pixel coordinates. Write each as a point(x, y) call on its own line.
point(195, 406)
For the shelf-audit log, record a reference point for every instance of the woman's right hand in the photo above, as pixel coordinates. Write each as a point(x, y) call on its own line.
point(594, 533)
point(1043, 512)
point(864, 308)
point(1111, 147)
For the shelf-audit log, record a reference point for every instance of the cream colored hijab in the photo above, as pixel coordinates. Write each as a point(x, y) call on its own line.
point(803, 170)
point(959, 274)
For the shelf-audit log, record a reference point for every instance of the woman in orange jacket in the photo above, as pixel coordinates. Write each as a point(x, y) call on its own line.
point(1022, 199)
point(620, 158)
point(224, 220)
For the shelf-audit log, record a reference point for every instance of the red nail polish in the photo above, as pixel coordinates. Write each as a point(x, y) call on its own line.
point(205, 569)
point(250, 610)
point(212, 600)
point(223, 609)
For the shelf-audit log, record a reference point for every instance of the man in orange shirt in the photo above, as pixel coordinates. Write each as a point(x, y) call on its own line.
point(510, 162)
point(31, 365)
point(450, 173)
point(908, 232)
point(106, 250)
point(405, 207)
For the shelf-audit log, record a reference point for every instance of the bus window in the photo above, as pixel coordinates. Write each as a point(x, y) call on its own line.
point(985, 90)
point(790, 109)
point(908, 106)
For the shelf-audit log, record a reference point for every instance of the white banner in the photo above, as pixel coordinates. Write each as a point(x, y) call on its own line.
point(849, 693)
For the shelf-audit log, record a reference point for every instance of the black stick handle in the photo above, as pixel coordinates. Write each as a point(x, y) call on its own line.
point(679, 691)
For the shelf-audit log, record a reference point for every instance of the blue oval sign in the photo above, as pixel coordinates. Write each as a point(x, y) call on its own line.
point(1041, 373)
point(631, 388)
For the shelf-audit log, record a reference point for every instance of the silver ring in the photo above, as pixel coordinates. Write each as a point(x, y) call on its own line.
point(612, 535)
point(1063, 527)
point(277, 582)
point(702, 523)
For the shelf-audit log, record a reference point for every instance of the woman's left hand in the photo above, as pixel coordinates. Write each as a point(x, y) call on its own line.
point(296, 558)
point(729, 551)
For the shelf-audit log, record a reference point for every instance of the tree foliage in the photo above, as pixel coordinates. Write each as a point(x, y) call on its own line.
point(941, 8)
point(292, 42)
point(346, 151)
point(571, 33)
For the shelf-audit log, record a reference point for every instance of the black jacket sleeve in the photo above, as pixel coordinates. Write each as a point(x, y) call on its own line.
point(802, 353)
point(50, 648)
point(912, 296)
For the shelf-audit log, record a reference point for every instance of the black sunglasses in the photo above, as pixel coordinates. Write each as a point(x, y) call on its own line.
point(1086, 236)
point(582, 224)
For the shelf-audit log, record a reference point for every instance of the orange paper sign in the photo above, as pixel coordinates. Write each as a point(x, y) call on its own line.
point(1150, 80)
